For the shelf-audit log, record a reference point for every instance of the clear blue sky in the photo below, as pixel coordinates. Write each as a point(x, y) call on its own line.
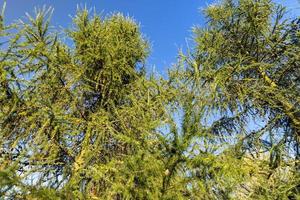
point(166, 23)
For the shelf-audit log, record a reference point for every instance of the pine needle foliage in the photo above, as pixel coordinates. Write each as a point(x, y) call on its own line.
point(77, 121)
point(241, 86)
point(81, 119)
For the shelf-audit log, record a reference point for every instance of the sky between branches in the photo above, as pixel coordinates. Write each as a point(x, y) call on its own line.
point(167, 24)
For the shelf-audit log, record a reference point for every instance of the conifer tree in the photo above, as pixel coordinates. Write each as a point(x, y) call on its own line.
point(77, 120)
point(242, 75)
point(81, 119)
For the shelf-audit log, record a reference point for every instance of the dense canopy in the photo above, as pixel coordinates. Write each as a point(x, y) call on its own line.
point(81, 118)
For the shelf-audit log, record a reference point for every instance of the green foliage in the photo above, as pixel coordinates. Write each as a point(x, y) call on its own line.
point(72, 118)
point(80, 118)
point(243, 76)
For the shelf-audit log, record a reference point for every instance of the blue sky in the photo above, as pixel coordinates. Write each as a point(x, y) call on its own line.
point(166, 23)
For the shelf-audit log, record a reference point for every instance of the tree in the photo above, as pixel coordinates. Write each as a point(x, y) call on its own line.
point(243, 76)
point(81, 119)
point(74, 118)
